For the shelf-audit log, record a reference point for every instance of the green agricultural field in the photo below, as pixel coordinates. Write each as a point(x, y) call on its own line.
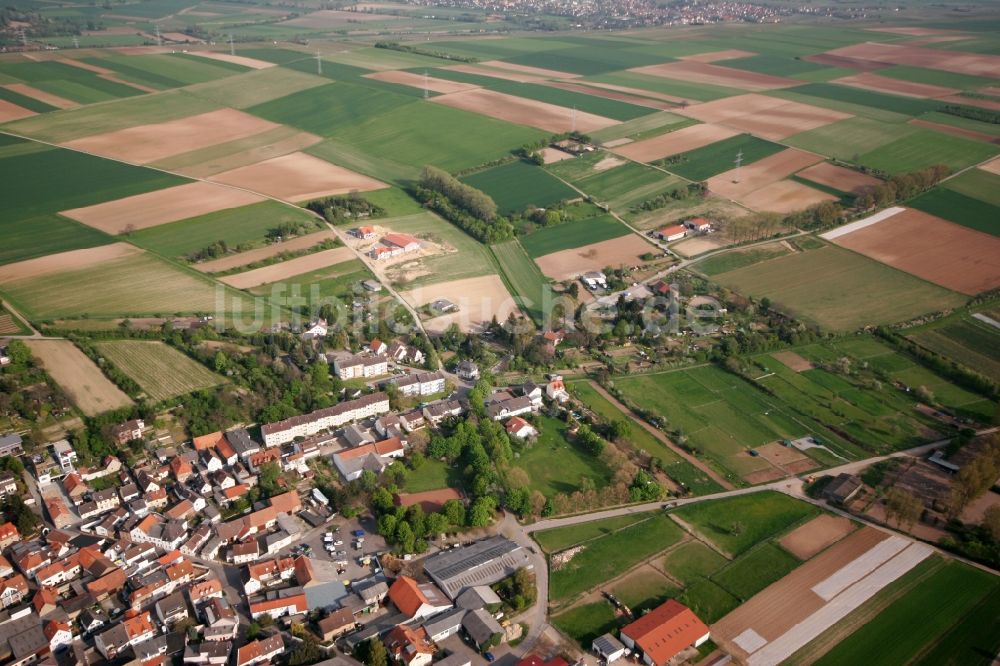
point(839, 290)
point(561, 538)
point(709, 601)
point(256, 87)
point(692, 561)
point(702, 92)
point(774, 65)
point(166, 71)
point(522, 276)
point(596, 57)
point(642, 128)
point(859, 110)
point(339, 281)
point(905, 631)
point(73, 83)
point(608, 556)
point(758, 517)
point(279, 56)
point(926, 148)
point(586, 622)
point(555, 465)
point(718, 157)
point(990, 129)
point(968, 341)
point(620, 187)
point(945, 202)
point(517, 185)
point(676, 467)
point(247, 225)
point(850, 138)
point(161, 371)
point(24, 101)
point(935, 77)
point(645, 589)
point(30, 237)
point(572, 235)
point(911, 106)
point(978, 184)
point(730, 261)
point(755, 570)
point(129, 286)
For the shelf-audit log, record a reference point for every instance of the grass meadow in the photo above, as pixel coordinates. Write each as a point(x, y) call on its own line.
point(965, 340)
point(555, 465)
point(718, 157)
point(572, 235)
point(517, 185)
point(522, 276)
point(951, 204)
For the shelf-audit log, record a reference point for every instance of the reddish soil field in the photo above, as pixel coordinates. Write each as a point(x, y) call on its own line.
point(10, 111)
point(938, 251)
point(506, 75)
point(993, 166)
point(715, 56)
point(65, 261)
point(878, 83)
point(298, 177)
point(822, 531)
point(782, 456)
point(955, 131)
point(539, 72)
point(793, 361)
point(155, 208)
point(287, 269)
point(567, 264)
point(701, 72)
point(42, 96)
point(839, 178)
point(761, 173)
point(768, 117)
point(252, 63)
point(639, 92)
point(975, 64)
point(415, 80)
point(148, 143)
point(612, 94)
point(521, 111)
point(672, 143)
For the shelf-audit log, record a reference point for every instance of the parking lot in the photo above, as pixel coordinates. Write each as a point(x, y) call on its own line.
point(352, 554)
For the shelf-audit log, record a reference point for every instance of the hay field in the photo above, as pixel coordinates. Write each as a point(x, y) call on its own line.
point(78, 376)
point(161, 371)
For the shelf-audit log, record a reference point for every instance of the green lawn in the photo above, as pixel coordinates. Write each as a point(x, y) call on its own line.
point(432, 475)
point(708, 601)
point(954, 206)
point(587, 622)
point(644, 590)
point(692, 561)
point(720, 156)
point(755, 570)
point(526, 283)
point(338, 281)
point(555, 465)
point(561, 538)
point(736, 524)
point(572, 235)
point(723, 263)
point(517, 185)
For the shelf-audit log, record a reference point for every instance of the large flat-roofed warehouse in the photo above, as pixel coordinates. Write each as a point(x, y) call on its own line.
point(483, 563)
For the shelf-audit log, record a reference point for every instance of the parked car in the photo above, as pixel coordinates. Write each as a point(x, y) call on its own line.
point(490, 656)
point(358, 533)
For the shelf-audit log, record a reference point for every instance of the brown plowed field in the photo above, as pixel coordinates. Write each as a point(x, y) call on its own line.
point(640, 92)
point(672, 143)
point(782, 605)
point(785, 196)
point(506, 75)
point(287, 269)
point(972, 101)
point(839, 178)
point(478, 299)
point(993, 166)
point(955, 131)
point(895, 86)
point(298, 177)
point(540, 72)
point(243, 258)
point(938, 251)
point(523, 111)
point(42, 96)
point(78, 376)
point(252, 63)
point(761, 173)
point(415, 80)
point(768, 117)
point(148, 143)
point(65, 261)
point(611, 94)
point(793, 361)
point(975, 64)
point(807, 540)
point(11, 111)
point(567, 264)
point(155, 208)
point(702, 72)
point(715, 56)
point(85, 65)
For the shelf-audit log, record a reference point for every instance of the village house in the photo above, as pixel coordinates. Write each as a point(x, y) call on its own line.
point(417, 600)
point(306, 425)
point(467, 370)
point(8, 484)
point(375, 457)
point(664, 632)
point(671, 233)
point(420, 384)
point(556, 389)
point(698, 224)
point(351, 366)
point(405, 353)
point(518, 427)
point(8, 535)
point(123, 433)
point(438, 411)
point(336, 624)
point(409, 646)
point(502, 405)
point(394, 245)
point(260, 651)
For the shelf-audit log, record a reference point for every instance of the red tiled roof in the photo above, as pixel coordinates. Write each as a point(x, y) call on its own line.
point(401, 240)
point(671, 230)
point(665, 631)
point(209, 441)
point(406, 595)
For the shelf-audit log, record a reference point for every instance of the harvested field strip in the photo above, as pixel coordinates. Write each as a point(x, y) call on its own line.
point(623, 250)
point(679, 141)
point(954, 130)
point(572, 235)
point(879, 83)
point(817, 535)
point(78, 376)
point(231, 155)
point(673, 88)
point(837, 177)
point(414, 80)
point(287, 269)
point(74, 259)
point(747, 180)
point(160, 370)
point(10, 111)
point(246, 90)
point(24, 101)
point(763, 115)
point(524, 111)
point(298, 177)
point(617, 95)
point(252, 63)
point(716, 75)
point(54, 101)
point(974, 64)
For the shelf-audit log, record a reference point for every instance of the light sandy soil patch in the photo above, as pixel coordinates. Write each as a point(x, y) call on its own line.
point(695, 246)
point(66, 261)
point(252, 63)
point(764, 116)
point(782, 456)
point(8, 326)
point(287, 269)
point(938, 251)
point(148, 143)
point(993, 166)
point(607, 163)
point(785, 196)
point(42, 96)
point(954, 131)
point(478, 300)
point(822, 531)
point(551, 155)
point(913, 31)
point(415, 80)
point(973, 513)
point(11, 111)
point(975, 64)
point(566, 264)
point(524, 111)
point(243, 258)
point(612, 94)
point(703, 72)
point(540, 72)
point(298, 177)
point(765, 475)
point(154, 208)
point(672, 143)
point(761, 173)
point(86, 65)
point(716, 56)
point(241, 153)
point(78, 376)
point(614, 143)
point(640, 92)
point(837, 177)
point(793, 361)
point(895, 86)
point(506, 75)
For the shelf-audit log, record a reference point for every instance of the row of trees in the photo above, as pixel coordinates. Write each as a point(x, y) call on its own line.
point(472, 201)
point(691, 191)
point(341, 209)
point(973, 112)
point(899, 187)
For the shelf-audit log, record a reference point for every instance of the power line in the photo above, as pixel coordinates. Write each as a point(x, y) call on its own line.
point(319, 63)
point(739, 162)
